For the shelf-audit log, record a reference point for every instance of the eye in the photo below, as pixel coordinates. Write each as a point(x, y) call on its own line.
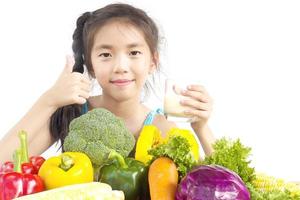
point(105, 55)
point(134, 53)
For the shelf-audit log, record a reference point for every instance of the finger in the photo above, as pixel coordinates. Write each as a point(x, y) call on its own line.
point(86, 80)
point(195, 104)
point(84, 94)
point(79, 77)
point(177, 89)
point(69, 64)
point(85, 87)
point(198, 113)
point(80, 100)
point(198, 88)
point(196, 95)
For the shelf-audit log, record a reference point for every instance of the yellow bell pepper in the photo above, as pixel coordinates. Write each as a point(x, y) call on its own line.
point(149, 137)
point(67, 169)
point(189, 136)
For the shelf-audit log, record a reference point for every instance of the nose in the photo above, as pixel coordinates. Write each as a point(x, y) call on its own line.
point(122, 64)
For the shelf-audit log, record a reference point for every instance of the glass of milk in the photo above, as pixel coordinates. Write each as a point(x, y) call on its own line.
point(172, 107)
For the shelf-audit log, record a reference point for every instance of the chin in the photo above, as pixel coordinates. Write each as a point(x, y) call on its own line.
point(123, 96)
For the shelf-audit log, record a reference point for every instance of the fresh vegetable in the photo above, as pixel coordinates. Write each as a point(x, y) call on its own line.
point(28, 166)
point(212, 182)
point(126, 174)
point(268, 187)
point(274, 194)
point(37, 162)
point(149, 137)
point(187, 134)
point(178, 149)
point(15, 184)
point(87, 191)
point(96, 134)
point(6, 167)
point(234, 156)
point(67, 169)
point(163, 179)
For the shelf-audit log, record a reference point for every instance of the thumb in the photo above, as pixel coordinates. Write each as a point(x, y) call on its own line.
point(69, 64)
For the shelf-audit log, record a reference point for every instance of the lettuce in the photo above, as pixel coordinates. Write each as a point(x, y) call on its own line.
point(178, 149)
point(234, 156)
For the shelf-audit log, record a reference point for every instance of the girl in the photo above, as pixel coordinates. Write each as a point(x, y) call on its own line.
point(118, 44)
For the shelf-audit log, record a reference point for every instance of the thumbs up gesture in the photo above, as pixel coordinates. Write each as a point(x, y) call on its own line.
point(70, 87)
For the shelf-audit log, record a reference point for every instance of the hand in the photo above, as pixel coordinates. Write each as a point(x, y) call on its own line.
point(199, 105)
point(70, 87)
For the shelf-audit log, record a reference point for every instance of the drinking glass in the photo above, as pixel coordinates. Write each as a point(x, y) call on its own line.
point(173, 110)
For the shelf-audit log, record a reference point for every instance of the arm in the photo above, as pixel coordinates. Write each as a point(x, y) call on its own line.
point(70, 88)
point(35, 123)
point(206, 139)
point(200, 108)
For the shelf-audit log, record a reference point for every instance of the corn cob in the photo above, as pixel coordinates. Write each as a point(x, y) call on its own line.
point(267, 183)
point(83, 191)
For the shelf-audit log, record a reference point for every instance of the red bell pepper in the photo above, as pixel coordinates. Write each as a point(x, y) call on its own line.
point(37, 162)
point(16, 184)
point(28, 166)
point(7, 167)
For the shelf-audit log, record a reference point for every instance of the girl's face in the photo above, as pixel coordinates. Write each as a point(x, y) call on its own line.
point(121, 60)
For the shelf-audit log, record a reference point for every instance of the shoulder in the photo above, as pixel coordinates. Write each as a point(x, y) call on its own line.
point(163, 124)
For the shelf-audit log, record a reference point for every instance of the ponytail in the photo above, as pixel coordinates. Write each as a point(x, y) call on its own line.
point(61, 118)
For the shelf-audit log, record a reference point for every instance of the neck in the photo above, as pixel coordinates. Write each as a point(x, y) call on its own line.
point(125, 109)
point(132, 111)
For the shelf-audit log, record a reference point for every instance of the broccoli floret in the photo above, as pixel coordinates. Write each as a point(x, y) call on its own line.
point(97, 133)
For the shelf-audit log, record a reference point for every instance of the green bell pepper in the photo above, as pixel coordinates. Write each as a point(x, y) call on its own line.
point(128, 175)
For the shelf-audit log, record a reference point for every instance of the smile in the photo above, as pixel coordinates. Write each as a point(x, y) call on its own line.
point(121, 82)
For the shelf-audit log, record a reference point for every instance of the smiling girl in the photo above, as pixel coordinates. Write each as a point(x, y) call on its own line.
point(118, 44)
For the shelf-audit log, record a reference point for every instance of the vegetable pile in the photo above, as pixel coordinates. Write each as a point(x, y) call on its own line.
point(235, 156)
point(20, 177)
point(95, 165)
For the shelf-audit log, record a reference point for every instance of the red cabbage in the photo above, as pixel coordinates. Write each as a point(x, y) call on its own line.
point(212, 182)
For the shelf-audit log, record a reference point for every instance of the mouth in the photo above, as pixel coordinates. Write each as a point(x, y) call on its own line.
point(121, 82)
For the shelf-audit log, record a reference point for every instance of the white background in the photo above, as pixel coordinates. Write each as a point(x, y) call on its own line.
point(246, 53)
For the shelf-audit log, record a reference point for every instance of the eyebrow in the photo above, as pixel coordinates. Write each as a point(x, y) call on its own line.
point(107, 46)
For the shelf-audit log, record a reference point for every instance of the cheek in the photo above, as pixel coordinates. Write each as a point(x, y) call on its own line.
point(101, 75)
point(143, 68)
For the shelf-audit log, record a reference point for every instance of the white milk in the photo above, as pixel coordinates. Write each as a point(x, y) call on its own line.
point(172, 105)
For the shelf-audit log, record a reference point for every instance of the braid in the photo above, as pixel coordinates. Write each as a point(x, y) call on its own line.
point(78, 45)
point(60, 120)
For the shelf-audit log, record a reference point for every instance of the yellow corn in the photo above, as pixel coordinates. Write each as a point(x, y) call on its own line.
point(268, 183)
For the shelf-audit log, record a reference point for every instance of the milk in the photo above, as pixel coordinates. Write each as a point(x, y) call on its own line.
point(172, 107)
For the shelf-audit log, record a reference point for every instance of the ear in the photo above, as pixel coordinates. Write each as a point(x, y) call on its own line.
point(154, 62)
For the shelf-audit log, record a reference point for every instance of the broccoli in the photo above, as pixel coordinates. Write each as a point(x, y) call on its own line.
point(97, 133)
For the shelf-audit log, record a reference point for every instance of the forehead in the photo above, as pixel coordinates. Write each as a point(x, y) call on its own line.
point(119, 34)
